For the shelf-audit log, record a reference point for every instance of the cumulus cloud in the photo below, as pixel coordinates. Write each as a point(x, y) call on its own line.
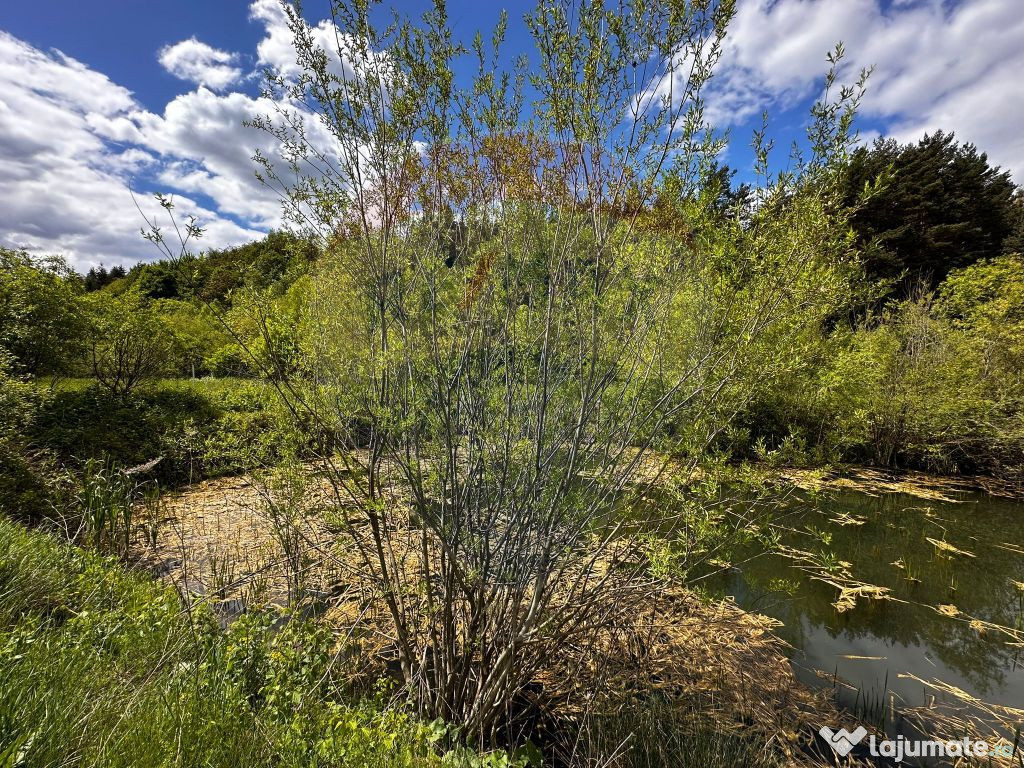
point(953, 66)
point(346, 58)
point(201, 64)
point(71, 141)
point(275, 50)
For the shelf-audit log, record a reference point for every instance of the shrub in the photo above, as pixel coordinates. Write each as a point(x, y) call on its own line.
point(41, 320)
point(130, 343)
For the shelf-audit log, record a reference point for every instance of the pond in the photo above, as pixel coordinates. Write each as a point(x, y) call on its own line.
point(948, 563)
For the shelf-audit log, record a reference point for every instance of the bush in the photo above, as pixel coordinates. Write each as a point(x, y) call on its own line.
point(130, 343)
point(230, 361)
point(201, 428)
point(41, 320)
point(28, 481)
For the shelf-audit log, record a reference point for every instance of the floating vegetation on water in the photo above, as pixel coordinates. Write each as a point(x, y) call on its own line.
point(848, 594)
point(999, 725)
point(1010, 548)
point(874, 482)
point(825, 537)
point(785, 586)
point(855, 657)
point(827, 568)
point(945, 546)
point(908, 571)
point(1013, 635)
point(847, 519)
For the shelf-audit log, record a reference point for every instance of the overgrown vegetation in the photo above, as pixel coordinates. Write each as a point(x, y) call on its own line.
point(106, 668)
point(511, 307)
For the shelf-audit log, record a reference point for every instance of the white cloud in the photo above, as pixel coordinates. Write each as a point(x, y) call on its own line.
point(63, 180)
point(201, 64)
point(209, 151)
point(71, 140)
point(345, 56)
point(275, 50)
point(936, 65)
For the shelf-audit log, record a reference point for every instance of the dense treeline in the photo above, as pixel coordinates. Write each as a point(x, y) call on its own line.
point(922, 371)
point(942, 206)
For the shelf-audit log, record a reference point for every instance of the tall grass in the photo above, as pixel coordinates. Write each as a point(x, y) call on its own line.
point(107, 502)
point(100, 667)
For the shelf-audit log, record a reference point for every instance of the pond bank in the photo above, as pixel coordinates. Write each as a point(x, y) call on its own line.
point(217, 543)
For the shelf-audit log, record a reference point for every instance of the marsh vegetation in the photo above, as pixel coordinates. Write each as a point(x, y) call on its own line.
point(436, 477)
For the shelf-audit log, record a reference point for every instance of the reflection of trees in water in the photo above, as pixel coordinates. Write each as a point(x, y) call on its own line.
point(895, 529)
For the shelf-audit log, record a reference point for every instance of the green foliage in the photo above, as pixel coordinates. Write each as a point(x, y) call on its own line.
point(104, 668)
point(942, 207)
point(201, 428)
point(986, 301)
point(932, 383)
point(274, 262)
point(130, 343)
point(24, 486)
point(41, 322)
point(106, 505)
point(157, 281)
point(199, 340)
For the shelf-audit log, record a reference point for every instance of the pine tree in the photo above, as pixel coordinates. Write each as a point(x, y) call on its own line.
point(944, 207)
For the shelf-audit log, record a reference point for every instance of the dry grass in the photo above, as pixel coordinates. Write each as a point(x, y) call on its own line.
point(709, 656)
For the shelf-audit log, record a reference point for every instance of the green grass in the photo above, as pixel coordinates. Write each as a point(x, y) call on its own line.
point(101, 667)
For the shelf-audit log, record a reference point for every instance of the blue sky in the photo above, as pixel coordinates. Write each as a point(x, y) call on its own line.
point(154, 94)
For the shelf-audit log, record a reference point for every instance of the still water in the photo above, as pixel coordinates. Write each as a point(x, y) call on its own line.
point(885, 540)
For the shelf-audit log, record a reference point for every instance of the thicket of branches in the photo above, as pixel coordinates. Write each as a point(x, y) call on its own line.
point(531, 299)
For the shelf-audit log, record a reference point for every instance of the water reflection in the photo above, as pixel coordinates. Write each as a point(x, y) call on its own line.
point(870, 645)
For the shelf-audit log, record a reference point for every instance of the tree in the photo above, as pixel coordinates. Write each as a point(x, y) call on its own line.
point(494, 388)
point(941, 206)
point(129, 342)
point(157, 281)
point(1014, 242)
point(41, 322)
point(97, 278)
point(196, 333)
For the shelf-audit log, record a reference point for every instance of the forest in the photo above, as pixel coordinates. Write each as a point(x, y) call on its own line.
point(526, 366)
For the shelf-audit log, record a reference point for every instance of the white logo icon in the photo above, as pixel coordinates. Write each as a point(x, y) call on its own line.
point(842, 741)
